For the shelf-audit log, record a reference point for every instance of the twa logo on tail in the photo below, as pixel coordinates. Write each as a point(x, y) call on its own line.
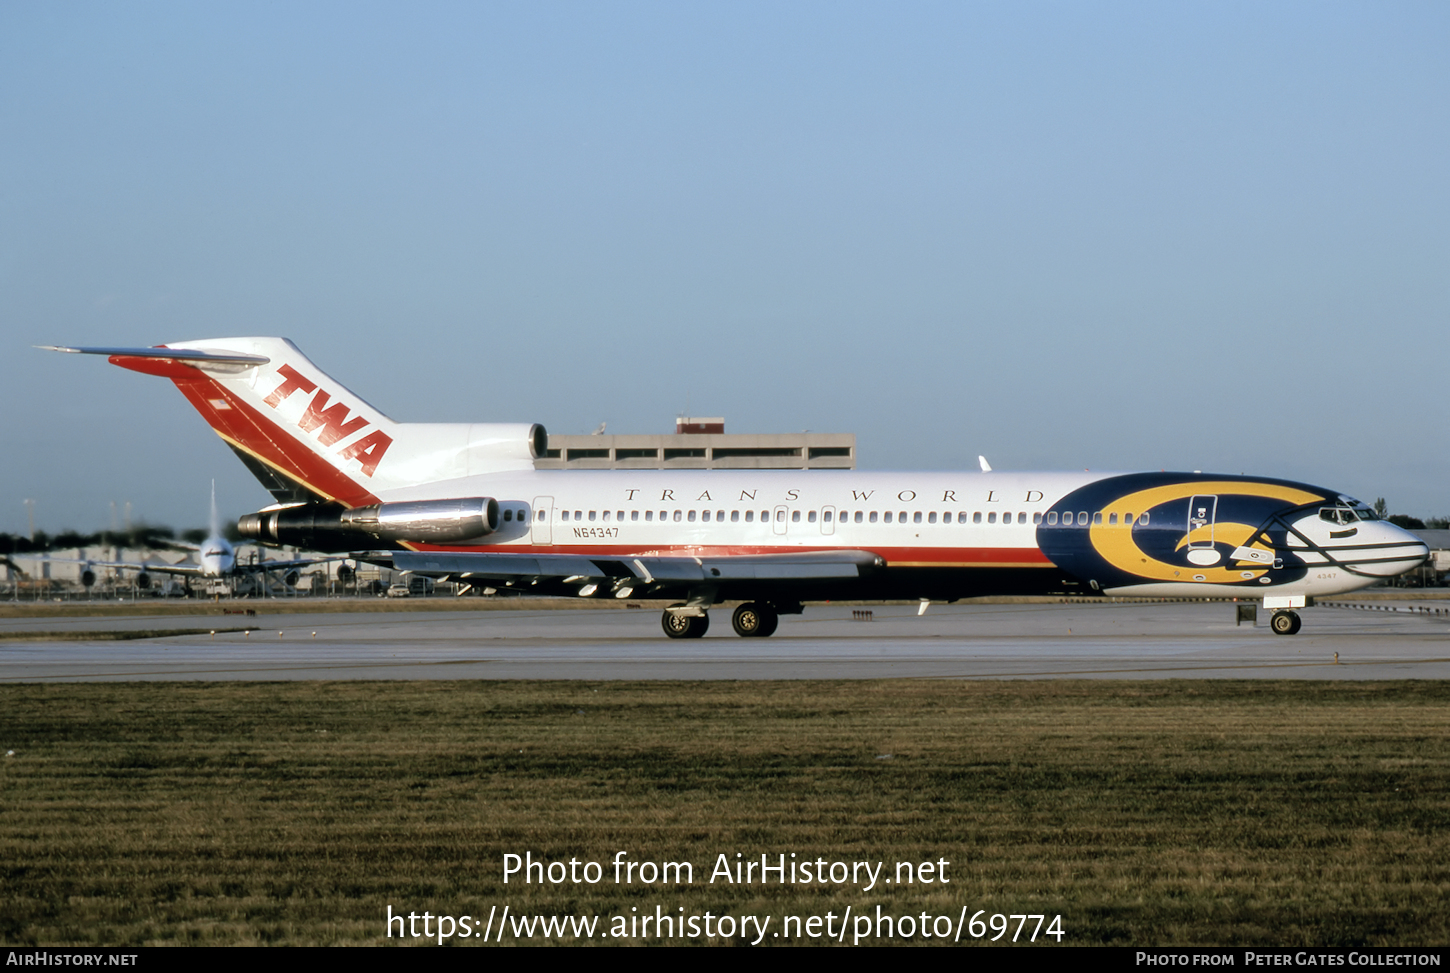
point(332, 420)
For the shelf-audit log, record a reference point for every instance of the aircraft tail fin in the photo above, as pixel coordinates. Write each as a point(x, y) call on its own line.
point(307, 437)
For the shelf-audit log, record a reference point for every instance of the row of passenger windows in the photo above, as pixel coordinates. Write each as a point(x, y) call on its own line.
point(845, 516)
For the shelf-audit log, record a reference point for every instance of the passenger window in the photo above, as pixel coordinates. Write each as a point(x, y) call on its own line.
point(591, 515)
point(1051, 517)
point(962, 517)
point(634, 515)
point(811, 517)
point(649, 515)
point(1022, 517)
point(1098, 518)
point(886, 518)
point(1127, 520)
point(1082, 518)
point(931, 517)
point(977, 517)
point(826, 516)
point(1112, 520)
point(606, 515)
point(857, 518)
point(692, 516)
point(619, 515)
point(1037, 517)
point(873, 516)
point(734, 516)
point(680, 516)
point(1143, 520)
point(1007, 518)
point(795, 516)
point(563, 515)
point(765, 516)
point(750, 516)
point(992, 517)
point(578, 515)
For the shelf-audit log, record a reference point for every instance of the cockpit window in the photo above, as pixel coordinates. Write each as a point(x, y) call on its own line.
point(1343, 515)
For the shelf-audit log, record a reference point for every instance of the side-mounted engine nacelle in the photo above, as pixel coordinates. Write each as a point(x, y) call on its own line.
point(426, 521)
point(331, 528)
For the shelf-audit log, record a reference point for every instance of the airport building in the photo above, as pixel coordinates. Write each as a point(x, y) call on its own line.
point(701, 444)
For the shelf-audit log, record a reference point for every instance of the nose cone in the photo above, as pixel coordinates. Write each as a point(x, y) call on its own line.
point(1383, 550)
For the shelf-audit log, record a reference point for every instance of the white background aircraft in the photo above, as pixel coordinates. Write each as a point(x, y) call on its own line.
point(463, 501)
point(216, 560)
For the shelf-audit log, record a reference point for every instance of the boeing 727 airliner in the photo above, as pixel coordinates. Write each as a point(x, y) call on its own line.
point(464, 502)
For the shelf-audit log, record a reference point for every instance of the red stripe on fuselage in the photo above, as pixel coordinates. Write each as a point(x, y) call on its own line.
point(927, 557)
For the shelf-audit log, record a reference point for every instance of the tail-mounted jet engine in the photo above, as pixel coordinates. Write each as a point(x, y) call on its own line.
point(428, 521)
point(322, 527)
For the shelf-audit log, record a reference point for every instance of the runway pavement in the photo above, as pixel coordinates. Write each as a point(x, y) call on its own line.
point(1058, 641)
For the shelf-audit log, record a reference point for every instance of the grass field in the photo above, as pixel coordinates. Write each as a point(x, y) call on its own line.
point(1142, 813)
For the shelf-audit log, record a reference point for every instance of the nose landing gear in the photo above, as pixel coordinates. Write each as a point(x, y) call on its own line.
point(1285, 622)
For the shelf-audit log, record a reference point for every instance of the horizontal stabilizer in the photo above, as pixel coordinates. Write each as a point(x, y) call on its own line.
point(173, 354)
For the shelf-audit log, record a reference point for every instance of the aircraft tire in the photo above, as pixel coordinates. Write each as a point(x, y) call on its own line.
point(684, 626)
point(754, 620)
point(1285, 623)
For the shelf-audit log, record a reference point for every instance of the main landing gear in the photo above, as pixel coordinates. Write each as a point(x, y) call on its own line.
point(752, 620)
point(1285, 623)
point(678, 625)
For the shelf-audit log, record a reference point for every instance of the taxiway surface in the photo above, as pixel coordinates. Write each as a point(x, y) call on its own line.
point(1061, 641)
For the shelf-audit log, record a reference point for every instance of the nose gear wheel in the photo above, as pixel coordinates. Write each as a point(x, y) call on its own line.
point(1285, 623)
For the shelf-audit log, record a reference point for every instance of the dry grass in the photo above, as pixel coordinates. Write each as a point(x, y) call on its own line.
point(1144, 813)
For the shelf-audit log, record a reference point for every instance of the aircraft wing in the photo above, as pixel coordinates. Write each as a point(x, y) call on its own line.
point(161, 567)
point(303, 562)
point(156, 567)
point(805, 567)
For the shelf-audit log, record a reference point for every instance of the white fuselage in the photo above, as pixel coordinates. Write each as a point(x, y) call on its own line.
point(912, 519)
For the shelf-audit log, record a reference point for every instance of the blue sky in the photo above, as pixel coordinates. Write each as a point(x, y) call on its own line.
point(1110, 236)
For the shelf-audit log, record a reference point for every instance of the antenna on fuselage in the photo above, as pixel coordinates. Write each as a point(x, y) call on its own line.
point(986, 467)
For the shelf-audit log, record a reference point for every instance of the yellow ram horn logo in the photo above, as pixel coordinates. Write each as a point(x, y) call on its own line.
point(1114, 541)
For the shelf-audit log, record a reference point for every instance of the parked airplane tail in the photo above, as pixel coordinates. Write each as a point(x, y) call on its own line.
point(307, 437)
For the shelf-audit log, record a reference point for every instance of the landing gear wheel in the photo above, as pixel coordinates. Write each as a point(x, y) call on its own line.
point(1285, 623)
point(684, 626)
point(754, 620)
